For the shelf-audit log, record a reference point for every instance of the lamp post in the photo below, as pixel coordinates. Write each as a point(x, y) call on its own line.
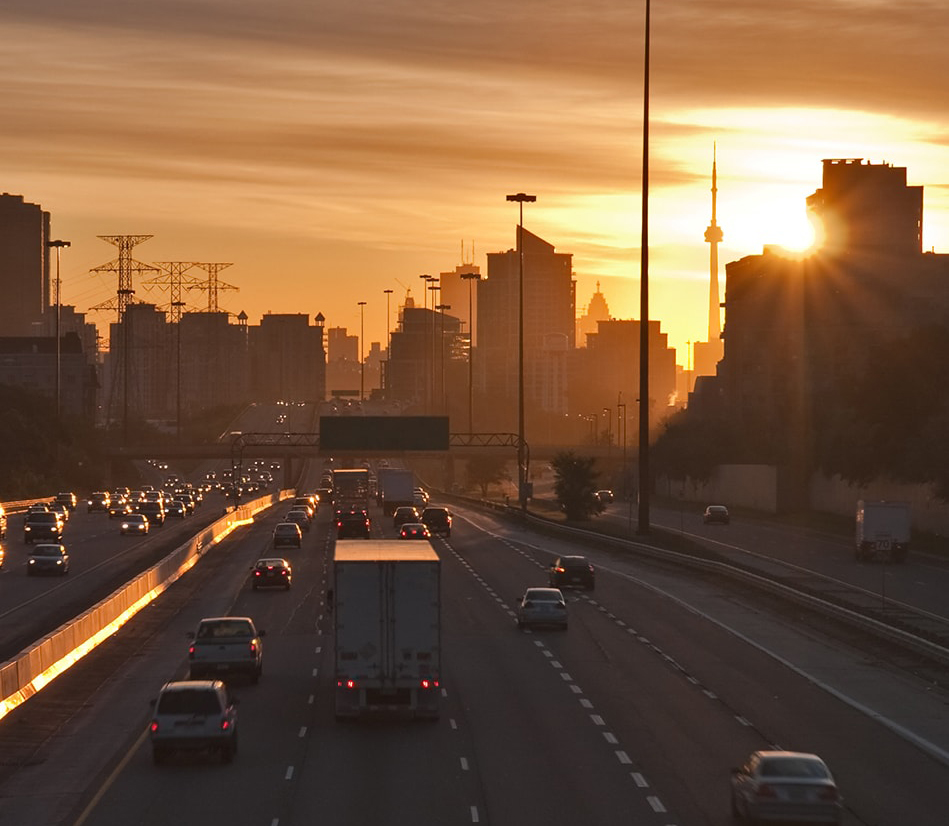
point(58, 245)
point(441, 355)
point(178, 305)
point(385, 384)
point(621, 422)
point(520, 198)
point(425, 348)
point(470, 277)
point(362, 361)
point(644, 484)
point(433, 286)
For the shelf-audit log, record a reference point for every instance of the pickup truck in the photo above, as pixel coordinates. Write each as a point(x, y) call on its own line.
point(225, 645)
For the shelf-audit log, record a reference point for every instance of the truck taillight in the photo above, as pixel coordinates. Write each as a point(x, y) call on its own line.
point(350, 684)
point(427, 684)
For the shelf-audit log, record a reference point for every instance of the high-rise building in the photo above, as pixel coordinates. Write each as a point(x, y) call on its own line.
point(597, 310)
point(287, 358)
point(24, 268)
point(549, 316)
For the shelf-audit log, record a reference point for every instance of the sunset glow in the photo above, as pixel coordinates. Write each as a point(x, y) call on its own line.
point(331, 155)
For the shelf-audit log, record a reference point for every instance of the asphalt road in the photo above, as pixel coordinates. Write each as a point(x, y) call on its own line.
point(633, 715)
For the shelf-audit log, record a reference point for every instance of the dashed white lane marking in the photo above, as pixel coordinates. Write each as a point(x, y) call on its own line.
point(566, 677)
point(474, 815)
point(597, 720)
point(656, 803)
point(319, 649)
point(302, 731)
point(316, 671)
point(556, 664)
point(464, 764)
point(623, 757)
point(639, 780)
point(453, 724)
point(585, 703)
point(311, 699)
point(289, 774)
point(610, 738)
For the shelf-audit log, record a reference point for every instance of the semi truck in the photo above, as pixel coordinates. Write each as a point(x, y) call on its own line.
point(396, 488)
point(883, 530)
point(351, 486)
point(387, 627)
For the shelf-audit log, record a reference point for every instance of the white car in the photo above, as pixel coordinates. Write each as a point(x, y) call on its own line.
point(542, 606)
point(783, 786)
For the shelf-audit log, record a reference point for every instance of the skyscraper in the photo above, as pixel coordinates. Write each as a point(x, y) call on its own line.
point(24, 268)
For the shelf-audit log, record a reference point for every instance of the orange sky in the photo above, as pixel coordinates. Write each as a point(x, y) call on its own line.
point(331, 151)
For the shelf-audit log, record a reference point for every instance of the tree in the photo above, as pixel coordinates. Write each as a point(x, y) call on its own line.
point(575, 484)
point(486, 470)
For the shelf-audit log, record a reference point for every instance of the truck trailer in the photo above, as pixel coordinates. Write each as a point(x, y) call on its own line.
point(387, 620)
point(396, 488)
point(883, 530)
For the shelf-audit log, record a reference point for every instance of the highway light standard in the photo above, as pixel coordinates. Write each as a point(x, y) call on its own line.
point(441, 355)
point(58, 245)
point(385, 384)
point(362, 360)
point(470, 277)
point(520, 198)
point(433, 285)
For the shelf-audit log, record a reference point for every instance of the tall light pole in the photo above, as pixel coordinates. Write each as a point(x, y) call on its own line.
point(434, 287)
point(644, 484)
point(470, 277)
point(425, 348)
point(385, 384)
point(520, 198)
point(362, 360)
point(441, 356)
point(58, 245)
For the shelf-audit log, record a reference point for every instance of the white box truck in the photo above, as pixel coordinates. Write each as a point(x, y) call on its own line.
point(883, 530)
point(396, 488)
point(387, 621)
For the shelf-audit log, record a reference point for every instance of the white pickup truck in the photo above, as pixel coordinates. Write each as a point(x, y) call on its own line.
point(225, 645)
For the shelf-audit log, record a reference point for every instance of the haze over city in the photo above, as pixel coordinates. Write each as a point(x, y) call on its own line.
point(329, 153)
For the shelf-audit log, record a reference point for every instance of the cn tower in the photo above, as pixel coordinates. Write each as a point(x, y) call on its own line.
point(714, 237)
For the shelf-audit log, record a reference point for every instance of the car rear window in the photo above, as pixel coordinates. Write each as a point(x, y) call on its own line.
point(791, 767)
point(189, 701)
point(224, 628)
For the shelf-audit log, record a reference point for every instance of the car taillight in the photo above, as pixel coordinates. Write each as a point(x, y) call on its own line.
point(191, 651)
point(827, 793)
point(253, 647)
point(428, 683)
point(350, 684)
point(153, 727)
point(284, 572)
point(256, 573)
point(225, 724)
point(764, 790)
point(560, 570)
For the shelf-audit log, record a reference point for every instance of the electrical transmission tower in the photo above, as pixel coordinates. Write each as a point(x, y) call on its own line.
point(212, 285)
point(125, 266)
point(173, 278)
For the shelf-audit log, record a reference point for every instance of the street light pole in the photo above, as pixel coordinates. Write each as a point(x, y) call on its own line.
point(644, 482)
point(469, 277)
point(388, 294)
point(362, 360)
point(425, 348)
point(441, 356)
point(433, 286)
point(520, 198)
point(58, 245)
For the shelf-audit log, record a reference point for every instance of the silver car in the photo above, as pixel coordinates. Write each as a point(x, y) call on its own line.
point(782, 786)
point(542, 606)
point(194, 715)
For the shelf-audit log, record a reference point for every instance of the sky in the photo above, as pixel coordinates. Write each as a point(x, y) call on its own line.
point(330, 151)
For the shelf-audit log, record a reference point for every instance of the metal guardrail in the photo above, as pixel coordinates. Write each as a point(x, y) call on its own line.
point(848, 603)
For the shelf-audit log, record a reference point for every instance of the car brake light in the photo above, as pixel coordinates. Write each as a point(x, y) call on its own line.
point(764, 790)
point(256, 573)
point(191, 651)
point(346, 684)
point(428, 683)
point(154, 726)
point(560, 570)
point(253, 647)
point(225, 724)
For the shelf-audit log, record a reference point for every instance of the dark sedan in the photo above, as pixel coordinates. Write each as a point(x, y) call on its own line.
point(48, 558)
point(572, 571)
point(272, 572)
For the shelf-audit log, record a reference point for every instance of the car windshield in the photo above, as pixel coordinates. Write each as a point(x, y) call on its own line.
point(46, 550)
point(792, 767)
point(543, 596)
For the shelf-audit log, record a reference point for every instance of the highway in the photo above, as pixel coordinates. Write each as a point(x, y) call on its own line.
point(634, 715)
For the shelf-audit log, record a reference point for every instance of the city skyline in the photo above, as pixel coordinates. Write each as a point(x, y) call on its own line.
point(337, 155)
